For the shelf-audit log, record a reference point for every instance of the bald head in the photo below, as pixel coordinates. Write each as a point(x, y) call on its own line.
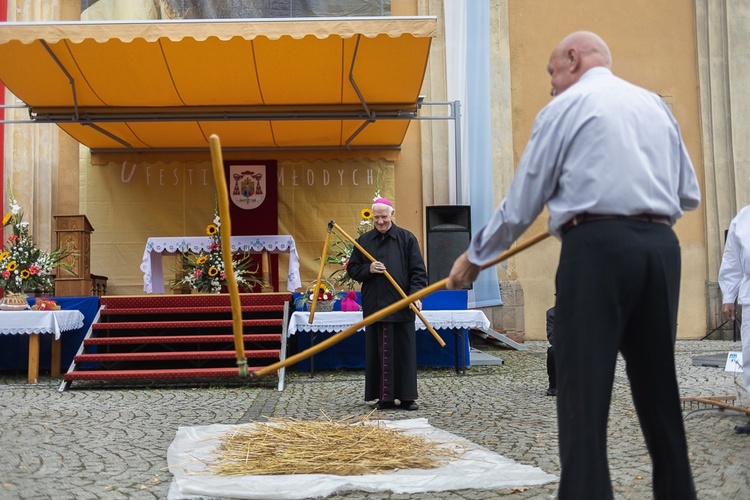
point(574, 55)
point(592, 49)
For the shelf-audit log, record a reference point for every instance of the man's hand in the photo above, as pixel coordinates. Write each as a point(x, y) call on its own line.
point(377, 267)
point(463, 273)
point(728, 310)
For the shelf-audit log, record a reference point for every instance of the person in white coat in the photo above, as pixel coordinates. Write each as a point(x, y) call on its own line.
point(734, 281)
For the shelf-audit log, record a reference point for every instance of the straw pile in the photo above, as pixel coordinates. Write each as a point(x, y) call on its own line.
point(322, 447)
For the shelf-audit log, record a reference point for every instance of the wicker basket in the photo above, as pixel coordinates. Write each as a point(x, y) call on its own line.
point(324, 305)
point(13, 302)
point(321, 305)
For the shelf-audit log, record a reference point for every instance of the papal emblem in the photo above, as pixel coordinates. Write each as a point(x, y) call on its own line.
point(248, 185)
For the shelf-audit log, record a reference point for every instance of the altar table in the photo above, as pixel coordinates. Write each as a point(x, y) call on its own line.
point(350, 353)
point(34, 323)
point(151, 265)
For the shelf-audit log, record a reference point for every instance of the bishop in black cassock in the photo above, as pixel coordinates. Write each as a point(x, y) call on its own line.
point(391, 355)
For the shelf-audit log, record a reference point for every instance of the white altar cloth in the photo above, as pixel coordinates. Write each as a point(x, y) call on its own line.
point(151, 265)
point(338, 321)
point(34, 322)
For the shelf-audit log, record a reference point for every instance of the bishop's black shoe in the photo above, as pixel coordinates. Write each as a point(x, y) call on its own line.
point(552, 391)
point(384, 405)
point(742, 429)
point(409, 405)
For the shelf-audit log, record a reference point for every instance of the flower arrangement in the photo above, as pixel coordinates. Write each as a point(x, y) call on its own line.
point(327, 296)
point(205, 272)
point(23, 266)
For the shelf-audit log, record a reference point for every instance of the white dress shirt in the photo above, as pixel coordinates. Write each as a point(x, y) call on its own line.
point(604, 146)
point(734, 274)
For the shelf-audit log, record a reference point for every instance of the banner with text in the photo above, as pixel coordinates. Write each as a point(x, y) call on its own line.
point(128, 203)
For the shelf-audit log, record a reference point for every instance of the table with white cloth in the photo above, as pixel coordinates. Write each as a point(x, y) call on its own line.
point(151, 264)
point(35, 323)
point(452, 326)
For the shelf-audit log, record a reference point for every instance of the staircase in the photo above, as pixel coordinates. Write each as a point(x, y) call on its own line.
point(148, 340)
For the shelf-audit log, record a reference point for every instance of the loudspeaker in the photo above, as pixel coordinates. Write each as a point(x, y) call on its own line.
point(448, 236)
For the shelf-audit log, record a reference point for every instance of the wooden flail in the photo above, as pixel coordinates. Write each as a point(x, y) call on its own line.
point(226, 252)
point(396, 306)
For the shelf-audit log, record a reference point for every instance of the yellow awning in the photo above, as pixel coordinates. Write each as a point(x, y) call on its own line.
point(263, 85)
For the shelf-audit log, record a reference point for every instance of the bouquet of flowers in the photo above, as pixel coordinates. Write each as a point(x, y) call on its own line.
point(205, 272)
point(23, 266)
point(327, 296)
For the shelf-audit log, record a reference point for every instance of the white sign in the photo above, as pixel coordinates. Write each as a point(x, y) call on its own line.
point(734, 362)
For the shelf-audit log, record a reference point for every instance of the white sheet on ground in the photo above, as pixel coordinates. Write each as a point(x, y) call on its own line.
point(476, 467)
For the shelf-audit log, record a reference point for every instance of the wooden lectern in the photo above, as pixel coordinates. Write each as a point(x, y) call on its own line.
point(74, 232)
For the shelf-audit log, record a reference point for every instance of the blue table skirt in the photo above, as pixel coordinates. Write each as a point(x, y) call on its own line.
point(14, 349)
point(350, 352)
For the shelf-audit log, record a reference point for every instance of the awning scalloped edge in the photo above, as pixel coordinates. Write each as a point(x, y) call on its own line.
point(127, 31)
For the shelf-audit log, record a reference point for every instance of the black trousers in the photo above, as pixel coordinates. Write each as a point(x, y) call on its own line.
point(617, 290)
point(391, 362)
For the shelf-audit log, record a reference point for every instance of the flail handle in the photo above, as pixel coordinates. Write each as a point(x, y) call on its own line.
point(396, 306)
point(226, 251)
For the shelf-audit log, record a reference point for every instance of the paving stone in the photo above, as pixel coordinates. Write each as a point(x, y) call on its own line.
point(111, 443)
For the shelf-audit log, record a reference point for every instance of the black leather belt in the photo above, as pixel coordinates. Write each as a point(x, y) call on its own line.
point(583, 218)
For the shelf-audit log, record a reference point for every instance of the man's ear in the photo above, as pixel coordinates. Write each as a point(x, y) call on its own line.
point(574, 60)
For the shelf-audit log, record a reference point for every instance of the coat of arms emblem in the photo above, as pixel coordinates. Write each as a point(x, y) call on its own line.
point(248, 185)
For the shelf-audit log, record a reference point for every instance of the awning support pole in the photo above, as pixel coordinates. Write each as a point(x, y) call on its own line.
point(70, 77)
point(110, 135)
point(456, 115)
point(371, 115)
point(351, 78)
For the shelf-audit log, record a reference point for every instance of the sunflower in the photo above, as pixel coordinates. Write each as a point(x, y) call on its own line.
point(4, 255)
point(12, 266)
point(212, 271)
point(7, 217)
point(366, 213)
point(201, 260)
point(25, 274)
point(211, 229)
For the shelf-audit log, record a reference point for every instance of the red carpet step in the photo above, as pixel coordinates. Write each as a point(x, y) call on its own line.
point(176, 339)
point(156, 338)
point(197, 373)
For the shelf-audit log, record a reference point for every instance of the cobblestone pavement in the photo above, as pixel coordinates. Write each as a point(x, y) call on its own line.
point(89, 443)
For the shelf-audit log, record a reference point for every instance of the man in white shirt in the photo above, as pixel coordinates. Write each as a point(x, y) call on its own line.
point(734, 281)
point(608, 160)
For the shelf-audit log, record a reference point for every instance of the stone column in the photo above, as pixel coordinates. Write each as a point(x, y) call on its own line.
point(723, 54)
point(41, 160)
point(435, 133)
